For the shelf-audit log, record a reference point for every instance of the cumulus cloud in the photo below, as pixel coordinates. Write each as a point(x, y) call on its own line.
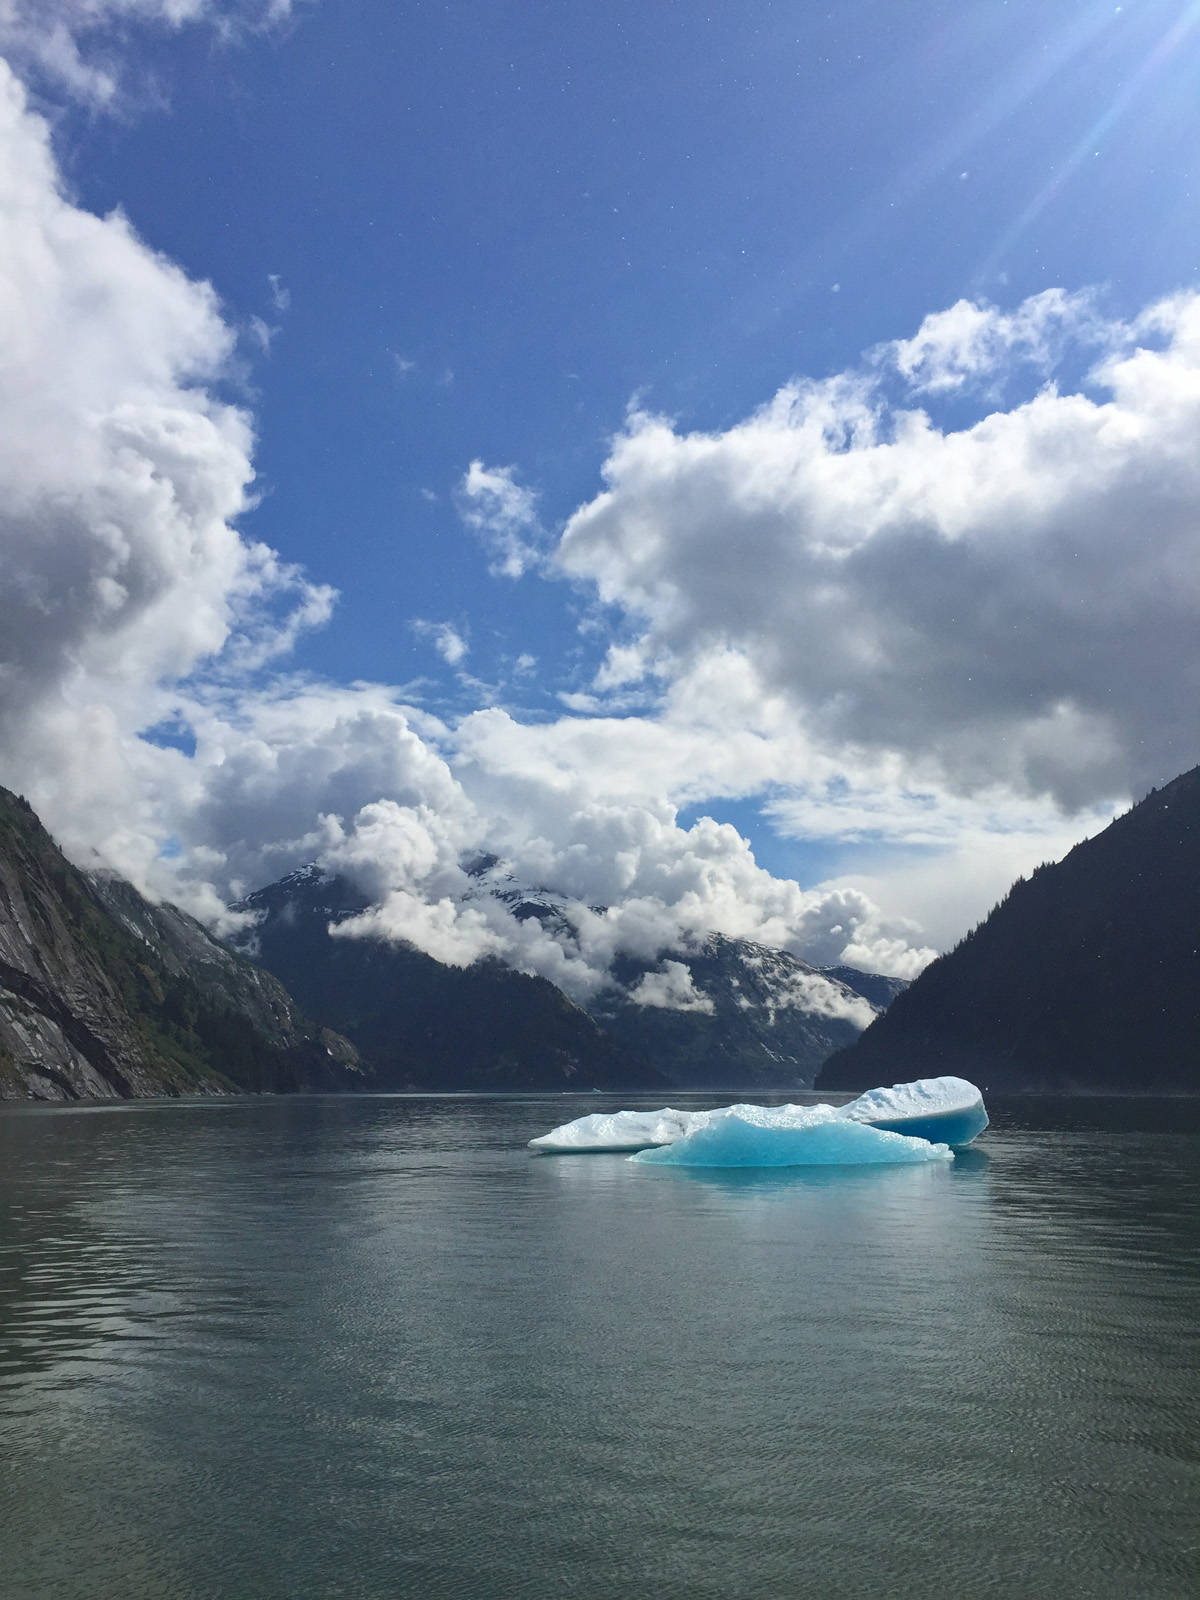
point(122, 569)
point(639, 882)
point(1012, 602)
point(970, 343)
point(821, 597)
point(136, 708)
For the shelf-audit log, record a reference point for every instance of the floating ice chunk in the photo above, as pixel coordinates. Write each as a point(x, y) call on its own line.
point(788, 1136)
point(947, 1109)
point(943, 1111)
point(622, 1130)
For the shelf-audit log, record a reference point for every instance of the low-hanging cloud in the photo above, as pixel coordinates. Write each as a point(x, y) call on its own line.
point(671, 988)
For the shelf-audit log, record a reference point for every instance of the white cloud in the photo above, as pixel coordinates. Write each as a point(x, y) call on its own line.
point(449, 641)
point(1008, 604)
point(262, 332)
point(809, 991)
point(969, 342)
point(582, 806)
point(121, 570)
point(816, 615)
point(281, 295)
point(670, 989)
point(75, 45)
point(504, 514)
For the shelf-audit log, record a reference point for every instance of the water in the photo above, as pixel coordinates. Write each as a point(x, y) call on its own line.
point(310, 1348)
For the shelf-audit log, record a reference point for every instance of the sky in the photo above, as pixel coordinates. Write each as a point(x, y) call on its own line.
point(735, 465)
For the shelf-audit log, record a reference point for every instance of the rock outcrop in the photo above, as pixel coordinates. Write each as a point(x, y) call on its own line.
point(103, 995)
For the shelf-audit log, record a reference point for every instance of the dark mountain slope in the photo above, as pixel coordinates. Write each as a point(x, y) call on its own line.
point(421, 1024)
point(763, 1019)
point(1086, 976)
point(104, 995)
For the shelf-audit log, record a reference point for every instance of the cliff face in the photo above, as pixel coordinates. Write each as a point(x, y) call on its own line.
point(1086, 976)
point(104, 995)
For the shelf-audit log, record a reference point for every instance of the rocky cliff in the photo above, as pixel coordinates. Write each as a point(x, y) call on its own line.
point(104, 995)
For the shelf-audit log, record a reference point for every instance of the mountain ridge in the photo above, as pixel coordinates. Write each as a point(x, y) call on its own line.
point(103, 995)
point(422, 1024)
point(1085, 976)
point(760, 1018)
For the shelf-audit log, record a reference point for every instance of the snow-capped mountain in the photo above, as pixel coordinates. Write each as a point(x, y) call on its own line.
point(423, 1024)
point(722, 1012)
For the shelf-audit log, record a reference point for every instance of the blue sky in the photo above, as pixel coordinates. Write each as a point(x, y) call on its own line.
point(550, 209)
point(444, 234)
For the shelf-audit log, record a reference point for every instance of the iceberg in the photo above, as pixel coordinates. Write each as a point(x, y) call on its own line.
point(947, 1109)
point(622, 1130)
point(789, 1136)
point(922, 1121)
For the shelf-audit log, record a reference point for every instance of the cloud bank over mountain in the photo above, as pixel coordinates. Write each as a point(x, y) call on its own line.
point(943, 638)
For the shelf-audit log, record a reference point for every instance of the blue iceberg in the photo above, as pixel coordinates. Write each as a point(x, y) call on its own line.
point(921, 1121)
point(789, 1136)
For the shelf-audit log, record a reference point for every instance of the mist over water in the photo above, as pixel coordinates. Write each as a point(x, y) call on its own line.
point(366, 1347)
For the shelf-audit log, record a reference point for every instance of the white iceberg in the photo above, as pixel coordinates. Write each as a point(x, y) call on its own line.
point(620, 1130)
point(919, 1121)
point(947, 1109)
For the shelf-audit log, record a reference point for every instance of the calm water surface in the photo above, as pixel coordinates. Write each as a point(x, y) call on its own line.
point(309, 1348)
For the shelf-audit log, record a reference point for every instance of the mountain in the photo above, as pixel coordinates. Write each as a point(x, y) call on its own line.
point(764, 1020)
point(104, 995)
point(419, 1023)
point(1086, 976)
point(873, 986)
point(756, 1018)
point(753, 1017)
